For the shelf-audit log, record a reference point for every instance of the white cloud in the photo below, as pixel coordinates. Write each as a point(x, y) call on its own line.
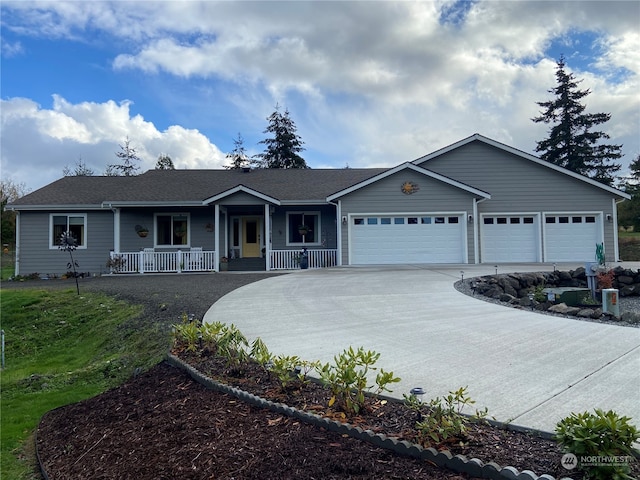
point(37, 143)
point(368, 83)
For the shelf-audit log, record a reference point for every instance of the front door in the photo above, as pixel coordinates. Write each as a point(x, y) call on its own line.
point(251, 237)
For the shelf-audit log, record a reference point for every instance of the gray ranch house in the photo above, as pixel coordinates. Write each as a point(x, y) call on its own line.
point(476, 201)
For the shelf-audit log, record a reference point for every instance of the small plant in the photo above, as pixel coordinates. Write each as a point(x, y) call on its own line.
point(605, 279)
point(444, 420)
point(186, 334)
point(232, 345)
point(68, 243)
point(283, 367)
point(539, 295)
point(260, 353)
point(599, 434)
point(211, 334)
point(116, 263)
point(347, 378)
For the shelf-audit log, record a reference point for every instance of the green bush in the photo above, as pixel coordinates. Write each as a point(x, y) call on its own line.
point(444, 420)
point(347, 378)
point(603, 434)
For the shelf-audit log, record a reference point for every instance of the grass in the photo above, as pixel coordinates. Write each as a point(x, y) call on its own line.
point(62, 348)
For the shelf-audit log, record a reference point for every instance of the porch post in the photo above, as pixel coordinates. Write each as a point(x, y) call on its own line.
point(267, 236)
point(339, 233)
point(116, 230)
point(216, 229)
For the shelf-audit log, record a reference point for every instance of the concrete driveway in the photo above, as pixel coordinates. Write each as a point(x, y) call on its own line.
point(529, 369)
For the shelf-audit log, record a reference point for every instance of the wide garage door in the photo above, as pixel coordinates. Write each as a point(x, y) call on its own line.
point(571, 237)
point(510, 238)
point(380, 239)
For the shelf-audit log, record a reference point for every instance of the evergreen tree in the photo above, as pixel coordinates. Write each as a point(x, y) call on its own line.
point(238, 156)
point(283, 148)
point(80, 170)
point(571, 143)
point(629, 210)
point(164, 163)
point(129, 157)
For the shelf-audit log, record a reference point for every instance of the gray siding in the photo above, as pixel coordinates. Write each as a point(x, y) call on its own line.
point(385, 196)
point(518, 185)
point(328, 233)
point(37, 256)
point(199, 236)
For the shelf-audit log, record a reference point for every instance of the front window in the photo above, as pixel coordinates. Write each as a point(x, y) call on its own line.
point(172, 230)
point(303, 228)
point(74, 223)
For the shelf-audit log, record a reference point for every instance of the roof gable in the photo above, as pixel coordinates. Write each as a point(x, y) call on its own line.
point(237, 189)
point(415, 168)
point(514, 151)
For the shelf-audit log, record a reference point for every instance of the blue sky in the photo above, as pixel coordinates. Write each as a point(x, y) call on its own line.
point(368, 84)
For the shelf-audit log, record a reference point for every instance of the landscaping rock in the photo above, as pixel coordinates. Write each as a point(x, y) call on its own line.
point(630, 317)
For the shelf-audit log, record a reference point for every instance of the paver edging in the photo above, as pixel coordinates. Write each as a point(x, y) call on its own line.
point(457, 463)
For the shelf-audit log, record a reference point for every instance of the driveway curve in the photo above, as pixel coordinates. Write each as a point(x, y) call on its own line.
point(527, 368)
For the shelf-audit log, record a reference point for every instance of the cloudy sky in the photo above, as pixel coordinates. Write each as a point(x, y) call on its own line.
point(368, 83)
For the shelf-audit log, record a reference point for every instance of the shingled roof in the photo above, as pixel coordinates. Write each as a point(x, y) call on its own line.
point(194, 186)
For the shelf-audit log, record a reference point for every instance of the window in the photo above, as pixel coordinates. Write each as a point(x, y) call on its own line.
point(372, 221)
point(514, 220)
point(488, 220)
point(385, 221)
point(311, 220)
point(412, 220)
point(502, 220)
point(358, 221)
point(453, 219)
point(426, 220)
point(398, 221)
point(439, 220)
point(590, 220)
point(528, 219)
point(74, 223)
point(563, 219)
point(576, 219)
point(550, 220)
point(172, 230)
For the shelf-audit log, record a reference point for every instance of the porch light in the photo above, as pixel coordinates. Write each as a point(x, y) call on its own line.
point(609, 217)
point(470, 218)
point(344, 220)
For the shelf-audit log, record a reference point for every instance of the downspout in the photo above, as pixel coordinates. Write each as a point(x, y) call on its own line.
point(267, 236)
point(338, 231)
point(216, 246)
point(616, 249)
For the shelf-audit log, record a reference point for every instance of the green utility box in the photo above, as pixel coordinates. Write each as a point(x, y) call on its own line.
point(572, 296)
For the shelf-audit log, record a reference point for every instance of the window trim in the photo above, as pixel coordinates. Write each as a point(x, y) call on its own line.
point(65, 214)
point(171, 214)
point(318, 241)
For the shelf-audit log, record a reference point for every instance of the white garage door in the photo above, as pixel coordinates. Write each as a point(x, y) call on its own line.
point(407, 239)
point(509, 238)
point(571, 238)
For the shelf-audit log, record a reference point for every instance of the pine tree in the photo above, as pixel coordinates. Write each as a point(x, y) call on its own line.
point(80, 170)
point(129, 157)
point(629, 211)
point(164, 162)
point(283, 148)
point(571, 143)
point(238, 155)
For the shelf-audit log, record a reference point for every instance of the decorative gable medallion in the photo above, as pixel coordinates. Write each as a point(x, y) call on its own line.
point(409, 187)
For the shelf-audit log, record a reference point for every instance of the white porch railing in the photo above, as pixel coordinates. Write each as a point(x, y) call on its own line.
point(290, 259)
point(148, 261)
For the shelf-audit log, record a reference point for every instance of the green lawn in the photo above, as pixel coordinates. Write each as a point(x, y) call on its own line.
point(61, 348)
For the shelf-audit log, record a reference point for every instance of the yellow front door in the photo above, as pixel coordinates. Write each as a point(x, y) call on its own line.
point(251, 237)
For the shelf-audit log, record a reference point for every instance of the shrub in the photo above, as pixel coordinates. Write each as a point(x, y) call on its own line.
point(603, 434)
point(232, 345)
point(444, 420)
point(186, 334)
point(347, 378)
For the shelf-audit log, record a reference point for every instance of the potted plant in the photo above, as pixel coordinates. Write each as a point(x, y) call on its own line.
point(224, 264)
point(142, 231)
point(303, 229)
